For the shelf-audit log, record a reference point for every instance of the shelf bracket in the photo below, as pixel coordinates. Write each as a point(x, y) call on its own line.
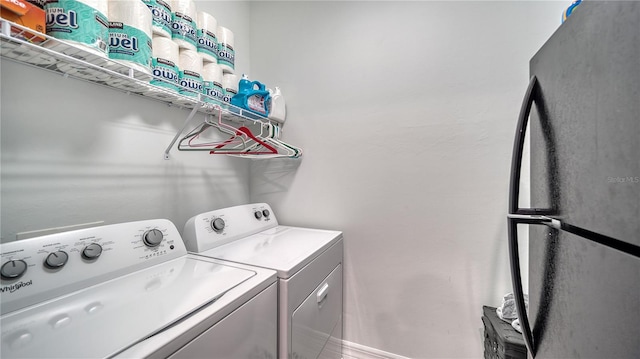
point(175, 138)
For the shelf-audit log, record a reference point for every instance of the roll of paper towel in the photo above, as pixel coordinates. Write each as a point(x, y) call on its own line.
point(189, 60)
point(212, 72)
point(166, 48)
point(82, 22)
point(190, 73)
point(130, 33)
point(226, 53)
point(212, 87)
point(166, 56)
point(230, 86)
point(184, 29)
point(187, 7)
point(161, 12)
point(207, 40)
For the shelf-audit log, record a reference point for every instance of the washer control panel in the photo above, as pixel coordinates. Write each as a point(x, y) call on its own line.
point(41, 268)
point(215, 228)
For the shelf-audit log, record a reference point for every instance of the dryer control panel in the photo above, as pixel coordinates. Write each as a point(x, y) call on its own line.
point(37, 269)
point(213, 229)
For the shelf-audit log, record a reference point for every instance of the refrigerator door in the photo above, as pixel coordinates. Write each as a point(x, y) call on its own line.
point(584, 297)
point(585, 125)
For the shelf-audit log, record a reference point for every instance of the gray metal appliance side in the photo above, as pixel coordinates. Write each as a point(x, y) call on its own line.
point(249, 332)
point(293, 291)
point(167, 342)
point(585, 158)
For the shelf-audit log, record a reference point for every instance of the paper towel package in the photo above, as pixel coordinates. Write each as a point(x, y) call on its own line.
point(184, 30)
point(166, 48)
point(207, 40)
point(25, 14)
point(189, 60)
point(212, 87)
point(82, 22)
point(130, 34)
point(166, 56)
point(161, 12)
point(190, 65)
point(226, 53)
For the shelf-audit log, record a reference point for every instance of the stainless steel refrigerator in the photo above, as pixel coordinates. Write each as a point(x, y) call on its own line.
point(583, 110)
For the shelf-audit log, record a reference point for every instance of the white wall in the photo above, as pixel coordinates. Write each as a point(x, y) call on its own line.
point(406, 112)
point(74, 152)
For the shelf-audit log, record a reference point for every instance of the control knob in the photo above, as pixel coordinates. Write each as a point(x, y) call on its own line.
point(13, 269)
point(217, 224)
point(257, 214)
point(152, 238)
point(92, 251)
point(56, 260)
point(266, 213)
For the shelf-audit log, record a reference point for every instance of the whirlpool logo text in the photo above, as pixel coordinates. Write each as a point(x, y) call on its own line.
point(14, 287)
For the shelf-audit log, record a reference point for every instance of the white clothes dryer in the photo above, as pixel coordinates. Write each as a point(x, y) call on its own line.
point(308, 263)
point(131, 290)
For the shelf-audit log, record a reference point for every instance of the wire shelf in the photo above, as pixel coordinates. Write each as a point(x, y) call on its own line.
point(24, 45)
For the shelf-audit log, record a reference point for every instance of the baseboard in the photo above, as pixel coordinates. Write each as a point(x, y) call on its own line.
point(352, 350)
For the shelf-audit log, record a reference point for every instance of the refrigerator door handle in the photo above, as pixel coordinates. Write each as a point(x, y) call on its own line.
point(516, 155)
point(516, 277)
point(625, 247)
point(533, 219)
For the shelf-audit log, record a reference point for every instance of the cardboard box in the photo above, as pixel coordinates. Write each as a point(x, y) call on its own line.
point(23, 13)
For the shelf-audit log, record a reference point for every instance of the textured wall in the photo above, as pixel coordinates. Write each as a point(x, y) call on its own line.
point(406, 112)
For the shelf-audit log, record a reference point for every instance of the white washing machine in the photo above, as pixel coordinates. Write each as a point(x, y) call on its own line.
point(131, 290)
point(309, 267)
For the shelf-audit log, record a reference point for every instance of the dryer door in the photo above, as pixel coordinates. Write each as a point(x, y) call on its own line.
point(315, 319)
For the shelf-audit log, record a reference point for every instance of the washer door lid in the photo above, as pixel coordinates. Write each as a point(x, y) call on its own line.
point(108, 318)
